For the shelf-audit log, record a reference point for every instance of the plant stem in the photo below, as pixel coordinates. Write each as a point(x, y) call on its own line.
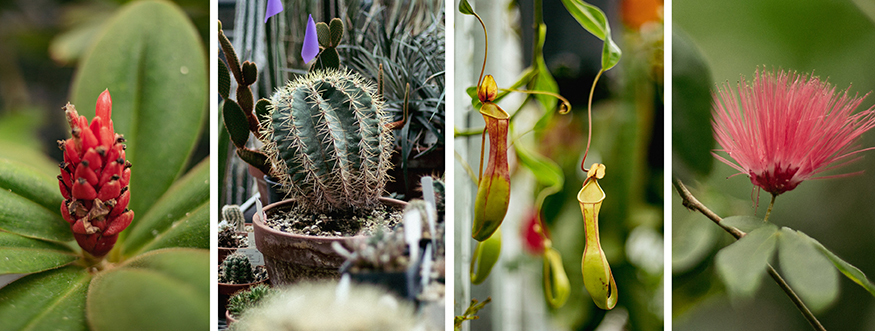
point(468, 132)
point(589, 119)
point(692, 203)
point(769, 211)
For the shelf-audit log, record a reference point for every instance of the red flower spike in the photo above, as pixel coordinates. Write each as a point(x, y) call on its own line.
point(96, 192)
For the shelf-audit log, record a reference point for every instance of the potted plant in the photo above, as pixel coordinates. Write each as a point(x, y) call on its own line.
point(384, 259)
point(232, 231)
point(237, 273)
point(245, 300)
point(329, 141)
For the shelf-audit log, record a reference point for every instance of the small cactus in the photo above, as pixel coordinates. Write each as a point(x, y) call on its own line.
point(236, 269)
point(234, 216)
point(386, 250)
point(247, 299)
point(327, 141)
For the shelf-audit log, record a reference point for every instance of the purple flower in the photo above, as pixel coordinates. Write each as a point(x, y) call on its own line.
point(311, 43)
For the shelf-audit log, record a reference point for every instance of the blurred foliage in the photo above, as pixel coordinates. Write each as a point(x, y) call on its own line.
point(692, 139)
point(833, 40)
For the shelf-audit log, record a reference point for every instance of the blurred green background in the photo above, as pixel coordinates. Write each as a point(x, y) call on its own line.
point(833, 39)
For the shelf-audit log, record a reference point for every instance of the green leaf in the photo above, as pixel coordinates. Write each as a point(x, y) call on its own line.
point(162, 290)
point(546, 171)
point(846, 268)
point(52, 300)
point(744, 223)
point(809, 273)
point(743, 263)
point(692, 139)
point(465, 8)
point(236, 123)
point(151, 59)
point(20, 179)
point(193, 230)
point(31, 203)
point(593, 20)
point(177, 214)
point(544, 80)
point(25, 255)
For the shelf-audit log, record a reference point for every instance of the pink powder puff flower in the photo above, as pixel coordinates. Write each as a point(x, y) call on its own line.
point(787, 128)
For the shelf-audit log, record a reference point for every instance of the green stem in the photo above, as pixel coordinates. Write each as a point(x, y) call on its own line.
point(769, 211)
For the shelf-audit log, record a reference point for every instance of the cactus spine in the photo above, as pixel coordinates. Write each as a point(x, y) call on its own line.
point(327, 141)
point(236, 269)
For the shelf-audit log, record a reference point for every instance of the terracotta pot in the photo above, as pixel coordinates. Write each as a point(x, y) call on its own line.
point(224, 252)
point(290, 257)
point(229, 318)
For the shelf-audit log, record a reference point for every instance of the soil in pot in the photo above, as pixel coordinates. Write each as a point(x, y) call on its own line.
point(291, 219)
point(297, 246)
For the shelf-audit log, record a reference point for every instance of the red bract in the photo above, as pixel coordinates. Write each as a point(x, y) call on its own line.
point(94, 179)
point(785, 128)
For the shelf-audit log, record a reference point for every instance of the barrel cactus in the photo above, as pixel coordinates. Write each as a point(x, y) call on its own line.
point(236, 269)
point(327, 139)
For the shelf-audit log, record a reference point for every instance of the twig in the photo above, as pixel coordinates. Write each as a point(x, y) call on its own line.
point(692, 203)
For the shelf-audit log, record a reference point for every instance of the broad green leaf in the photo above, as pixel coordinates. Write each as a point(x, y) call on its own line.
point(20, 179)
point(465, 8)
point(743, 263)
point(152, 61)
point(192, 230)
point(544, 81)
point(162, 290)
point(809, 274)
point(23, 255)
point(692, 139)
point(593, 20)
point(30, 203)
point(51, 300)
point(546, 171)
point(176, 213)
point(744, 223)
point(846, 268)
